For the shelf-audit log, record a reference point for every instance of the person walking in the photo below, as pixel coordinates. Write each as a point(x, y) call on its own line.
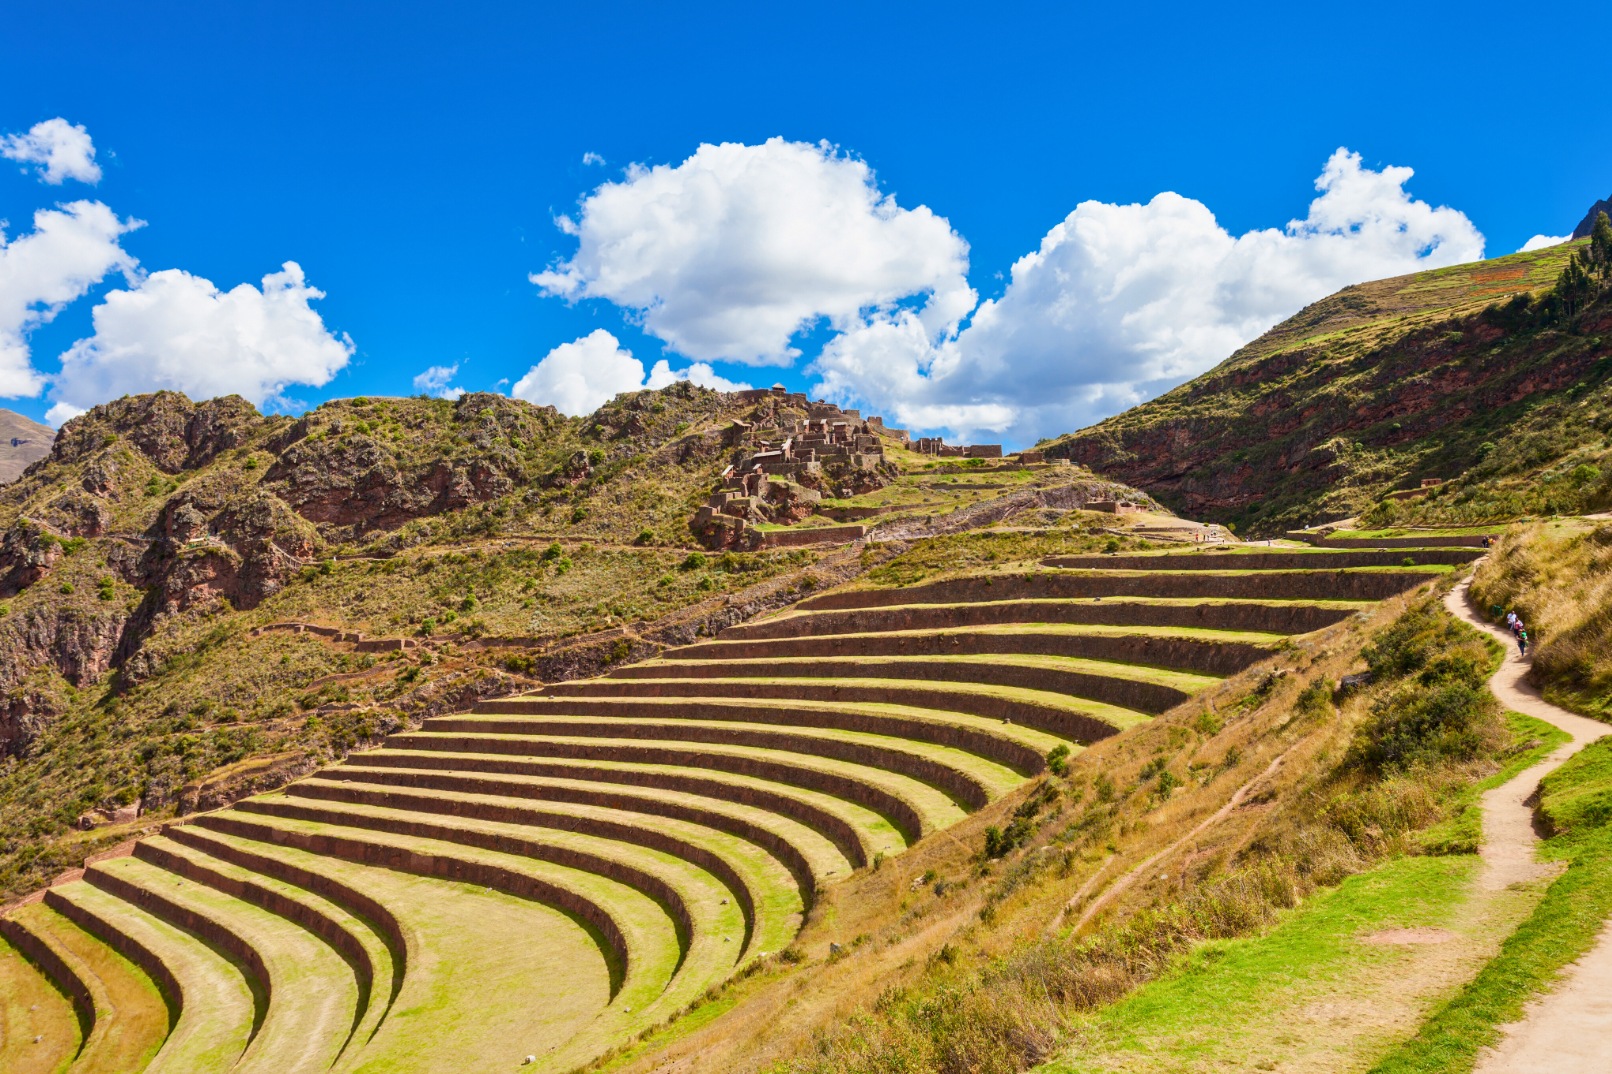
point(1522, 641)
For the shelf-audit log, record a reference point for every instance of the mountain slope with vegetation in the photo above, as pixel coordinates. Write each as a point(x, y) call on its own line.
point(198, 600)
point(1494, 374)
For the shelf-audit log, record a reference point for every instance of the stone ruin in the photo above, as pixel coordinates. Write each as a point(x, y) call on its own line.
point(791, 451)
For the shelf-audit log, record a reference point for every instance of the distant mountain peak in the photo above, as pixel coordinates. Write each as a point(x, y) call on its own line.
point(22, 441)
point(1584, 225)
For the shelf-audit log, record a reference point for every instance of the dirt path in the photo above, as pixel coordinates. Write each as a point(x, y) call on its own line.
point(1569, 1030)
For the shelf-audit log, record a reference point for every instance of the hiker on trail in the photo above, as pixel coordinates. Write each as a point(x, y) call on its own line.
point(1522, 642)
point(1511, 621)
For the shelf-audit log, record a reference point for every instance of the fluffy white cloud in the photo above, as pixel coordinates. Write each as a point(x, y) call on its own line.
point(435, 381)
point(732, 252)
point(57, 149)
point(590, 158)
point(1124, 301)
point(1539, 242)
point(70, 249)
point(175, 330)
point(698, 373)
point(581, 376)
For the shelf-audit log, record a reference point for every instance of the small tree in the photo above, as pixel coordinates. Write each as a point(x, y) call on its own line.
point(1574, 287)
point(1601, 245)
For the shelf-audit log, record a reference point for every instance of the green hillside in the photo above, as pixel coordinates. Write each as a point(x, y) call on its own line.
point(1445, 374)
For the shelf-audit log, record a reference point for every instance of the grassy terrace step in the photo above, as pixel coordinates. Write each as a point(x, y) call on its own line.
point(708, 911)
point(836, 762)
point(31, 1006)
point(216, 1012)
point(1323, 582)
point(1078, 719)
point(815, 836)
point(372, 924)
point(1265, 559)
point(471, 999)
point(123, 1017)
point(306, 994)
point(1082, 719)
point(769, 901)
point(1016, 746)
point(914, 808)
point(359, 944)
point(688, 895)
point(711, 929)
point(634, 934)
point(1265, 616)
point(1206, 652)
point(1150, 690)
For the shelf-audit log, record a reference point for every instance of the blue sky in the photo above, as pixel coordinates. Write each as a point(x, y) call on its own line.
point(412, 159)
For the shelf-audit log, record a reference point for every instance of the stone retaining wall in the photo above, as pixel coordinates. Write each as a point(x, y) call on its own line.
point(835, 829)
point(192, 833)
point(1113, 689)
point(996, 747)
point(275, 902)
point(1248, 615)
point(1204, 656)
point(1054, 719)
point(969, 792)
point(794, 538)
point(1273, 585)
point(573, 903)
point(502, 813)
point(63, 976)
point(160, 972)
point(1274, 560)
point(216, 933)
point(1460, 541)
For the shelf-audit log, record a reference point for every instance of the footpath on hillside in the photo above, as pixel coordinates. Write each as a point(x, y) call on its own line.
point(1568, 1030)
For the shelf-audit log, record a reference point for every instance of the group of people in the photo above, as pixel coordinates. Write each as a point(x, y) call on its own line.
point(1518, 631)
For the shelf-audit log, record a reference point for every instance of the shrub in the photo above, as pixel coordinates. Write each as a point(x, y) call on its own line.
point(1058, 760)
point(693, 561)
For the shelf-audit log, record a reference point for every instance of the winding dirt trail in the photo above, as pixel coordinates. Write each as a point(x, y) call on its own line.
point(1568, 1030)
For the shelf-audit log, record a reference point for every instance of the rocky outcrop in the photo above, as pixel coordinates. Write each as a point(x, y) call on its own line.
point(27, 551)
point(335, 472)
point(212, 543)
point(166, 427)
point(74, 642)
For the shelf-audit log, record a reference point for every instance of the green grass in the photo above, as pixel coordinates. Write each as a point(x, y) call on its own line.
point(1461, 832)
point(31, 1007)
point(1562, 927)
point(1223, 1001)
point(217, 1016)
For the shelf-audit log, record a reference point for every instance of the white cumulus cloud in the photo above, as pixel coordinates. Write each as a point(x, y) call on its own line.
point(663, 375)
point(1539, 242)
point(175, 330)
point(56, 149)
point(731, 253)
point(70, 249)
point(591, 159)
point(581, 376)
point(1121, 302)
point(435, 381)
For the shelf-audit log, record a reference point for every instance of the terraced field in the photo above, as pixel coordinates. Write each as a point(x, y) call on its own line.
point(547, 875)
